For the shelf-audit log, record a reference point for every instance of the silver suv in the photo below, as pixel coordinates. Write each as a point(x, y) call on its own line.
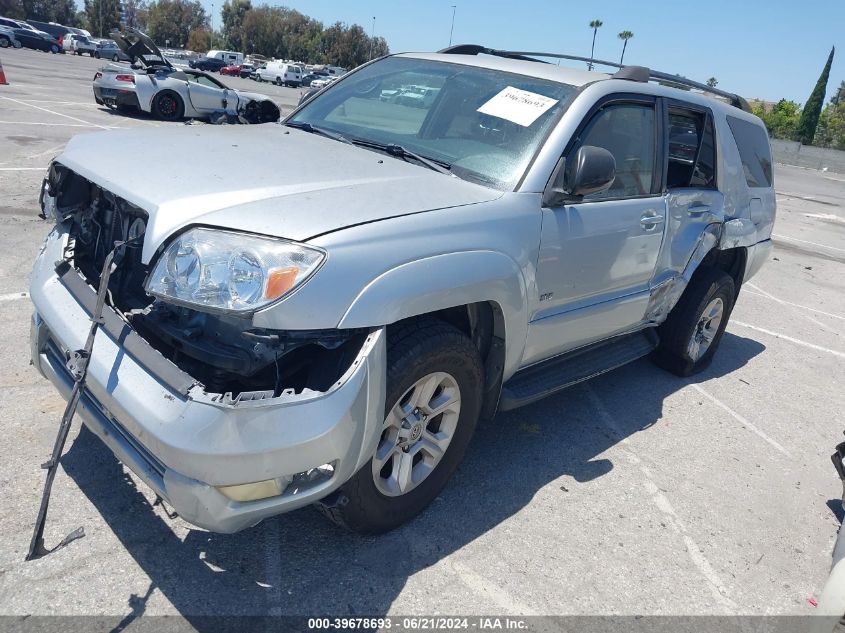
point(331, 328)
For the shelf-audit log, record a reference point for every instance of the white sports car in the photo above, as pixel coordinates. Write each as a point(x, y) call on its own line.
point(152, 84)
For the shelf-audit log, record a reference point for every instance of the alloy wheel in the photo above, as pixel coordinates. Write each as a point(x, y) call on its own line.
point(706, 329)
point(416, 433)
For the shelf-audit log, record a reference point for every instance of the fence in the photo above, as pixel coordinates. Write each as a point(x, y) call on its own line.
point(793, 153)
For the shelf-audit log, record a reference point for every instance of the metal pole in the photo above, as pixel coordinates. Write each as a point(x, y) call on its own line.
point(452, 30)
point(372, 37)
point(211, 35)
point(101, 18)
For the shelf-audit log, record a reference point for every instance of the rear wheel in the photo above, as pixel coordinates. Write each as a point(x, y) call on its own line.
point(691, 334)
point(4, 43)
point(96, 55)
point(168, 106)
point(17, 44)
point(278, 81)
point(54, 49)
point(434, 378)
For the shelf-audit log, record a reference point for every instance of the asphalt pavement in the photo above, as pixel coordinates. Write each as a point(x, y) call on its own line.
point(635, 493)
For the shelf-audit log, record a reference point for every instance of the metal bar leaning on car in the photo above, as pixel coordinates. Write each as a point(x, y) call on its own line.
point(77, 364)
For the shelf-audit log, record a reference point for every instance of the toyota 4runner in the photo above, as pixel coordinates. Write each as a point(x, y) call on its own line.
point(331, 329)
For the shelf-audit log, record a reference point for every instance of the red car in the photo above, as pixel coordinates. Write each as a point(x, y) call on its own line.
point(231, 70)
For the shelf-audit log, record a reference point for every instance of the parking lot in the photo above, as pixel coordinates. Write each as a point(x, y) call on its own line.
point(636, 493)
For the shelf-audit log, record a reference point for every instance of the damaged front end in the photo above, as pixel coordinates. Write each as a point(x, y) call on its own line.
point(228, 422)
point(225, 355)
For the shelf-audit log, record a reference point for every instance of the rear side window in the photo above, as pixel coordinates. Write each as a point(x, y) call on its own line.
point(691, 151)
point(753, 145)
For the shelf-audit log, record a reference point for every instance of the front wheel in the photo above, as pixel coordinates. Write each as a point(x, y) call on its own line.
point(434, 380)
point(168, 106)
point(96, 55)
point(278, 81)
point(693, 330)
point(115, 58)
point(4, 43)
point(54, 49)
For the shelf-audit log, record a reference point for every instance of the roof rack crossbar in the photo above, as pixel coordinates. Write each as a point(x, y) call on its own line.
point(676, 80)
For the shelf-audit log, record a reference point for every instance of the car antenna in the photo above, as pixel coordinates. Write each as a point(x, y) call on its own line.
point(77, 365)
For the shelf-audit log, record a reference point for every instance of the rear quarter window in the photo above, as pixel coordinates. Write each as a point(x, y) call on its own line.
point(753, 145)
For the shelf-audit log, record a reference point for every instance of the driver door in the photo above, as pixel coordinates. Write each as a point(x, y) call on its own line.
point(207, 96)
point(598, 255)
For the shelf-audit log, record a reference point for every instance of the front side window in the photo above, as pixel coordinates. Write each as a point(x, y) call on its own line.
point(485, 124)
point(626, 130)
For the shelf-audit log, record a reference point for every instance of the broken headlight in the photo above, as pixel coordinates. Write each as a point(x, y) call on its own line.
point(220, 270)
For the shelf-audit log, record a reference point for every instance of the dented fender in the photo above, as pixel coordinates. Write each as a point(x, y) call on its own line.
point(445, 281)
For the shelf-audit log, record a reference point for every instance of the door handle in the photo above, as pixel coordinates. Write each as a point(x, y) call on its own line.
point(650, 219)
point(697, 209)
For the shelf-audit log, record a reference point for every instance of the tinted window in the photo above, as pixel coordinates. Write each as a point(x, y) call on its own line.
point(627, 132)
point(753, 145)
point(691, 150)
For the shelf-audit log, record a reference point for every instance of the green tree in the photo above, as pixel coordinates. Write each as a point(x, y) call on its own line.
point(173, 20)
point(812, 109)
point(199, 40)
point(781, 120)
point(831, 129)
point(234, 12)
point(595, 25)
point(624, 36)
point(712, 82)
point(12, 9)
point(61, 11)
point(102, 16)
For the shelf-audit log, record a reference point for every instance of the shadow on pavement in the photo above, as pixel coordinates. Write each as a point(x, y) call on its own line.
point(300, 564)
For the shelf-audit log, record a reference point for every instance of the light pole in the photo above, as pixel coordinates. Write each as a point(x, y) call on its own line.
point(452, 30)
point(372, 37)
point(101, 18)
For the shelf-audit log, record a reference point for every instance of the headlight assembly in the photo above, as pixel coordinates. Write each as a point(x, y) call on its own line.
point(233, 272)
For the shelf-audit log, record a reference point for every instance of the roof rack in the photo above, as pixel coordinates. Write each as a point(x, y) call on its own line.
point(631, 73)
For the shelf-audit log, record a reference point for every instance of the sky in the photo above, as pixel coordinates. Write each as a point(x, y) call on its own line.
point(764, 50)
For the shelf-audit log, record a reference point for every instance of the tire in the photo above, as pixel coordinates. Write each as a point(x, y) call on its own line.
point(4, 43)
point(168, 106)
point(419, 351)
point(17, 44)
point(692, 320)
point(96, 55)
point(90, 53)
point(115, 58)
point(54, 49)
point(278, 81)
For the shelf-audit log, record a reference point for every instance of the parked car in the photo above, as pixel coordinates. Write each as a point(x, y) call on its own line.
point(10, 23)
point(37, 40)
point(246, 71)
point(233, 70)
point(169, 93)
point(108, 49)
point(232, 58)
point(307, 79)
point(515, 237)
point(212, 64)
point(78, 44)
point(322, 82)
point(7, 38)
point(281, 74)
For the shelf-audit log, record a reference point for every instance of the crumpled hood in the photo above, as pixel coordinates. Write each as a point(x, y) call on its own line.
point(266, 179)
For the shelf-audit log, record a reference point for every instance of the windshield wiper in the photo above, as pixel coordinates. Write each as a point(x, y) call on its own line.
point(307, 127)
point(400, 152)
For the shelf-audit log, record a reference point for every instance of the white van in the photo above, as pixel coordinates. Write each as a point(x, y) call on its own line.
point(281, 74)
point(232, 58)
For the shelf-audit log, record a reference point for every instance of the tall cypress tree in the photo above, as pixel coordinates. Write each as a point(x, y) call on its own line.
point(813, 108)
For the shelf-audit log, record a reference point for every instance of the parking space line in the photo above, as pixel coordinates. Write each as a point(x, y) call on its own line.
point(796, 341)
point(67, 116)
point(486, 587)
point(763, 293)
point(795, 239)
point(57, 124)
point(23, 168)
point(14, 295)
point(663, 505)
point(736, 416)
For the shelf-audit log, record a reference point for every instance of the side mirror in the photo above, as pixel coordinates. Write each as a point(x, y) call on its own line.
point(591, 170)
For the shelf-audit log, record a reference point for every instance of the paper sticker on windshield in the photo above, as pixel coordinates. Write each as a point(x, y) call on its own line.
point(517, 106)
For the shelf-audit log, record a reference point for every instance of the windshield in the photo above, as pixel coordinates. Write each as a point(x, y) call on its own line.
point(485, 124)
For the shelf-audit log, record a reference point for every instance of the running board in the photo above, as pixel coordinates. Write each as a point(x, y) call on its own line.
point(550, 376)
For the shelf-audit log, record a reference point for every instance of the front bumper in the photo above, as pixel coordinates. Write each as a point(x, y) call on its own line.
point(184, 443)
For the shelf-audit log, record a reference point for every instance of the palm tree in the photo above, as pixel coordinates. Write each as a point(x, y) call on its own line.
point(594, 24)
point(625, 36)
point(712, 82)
